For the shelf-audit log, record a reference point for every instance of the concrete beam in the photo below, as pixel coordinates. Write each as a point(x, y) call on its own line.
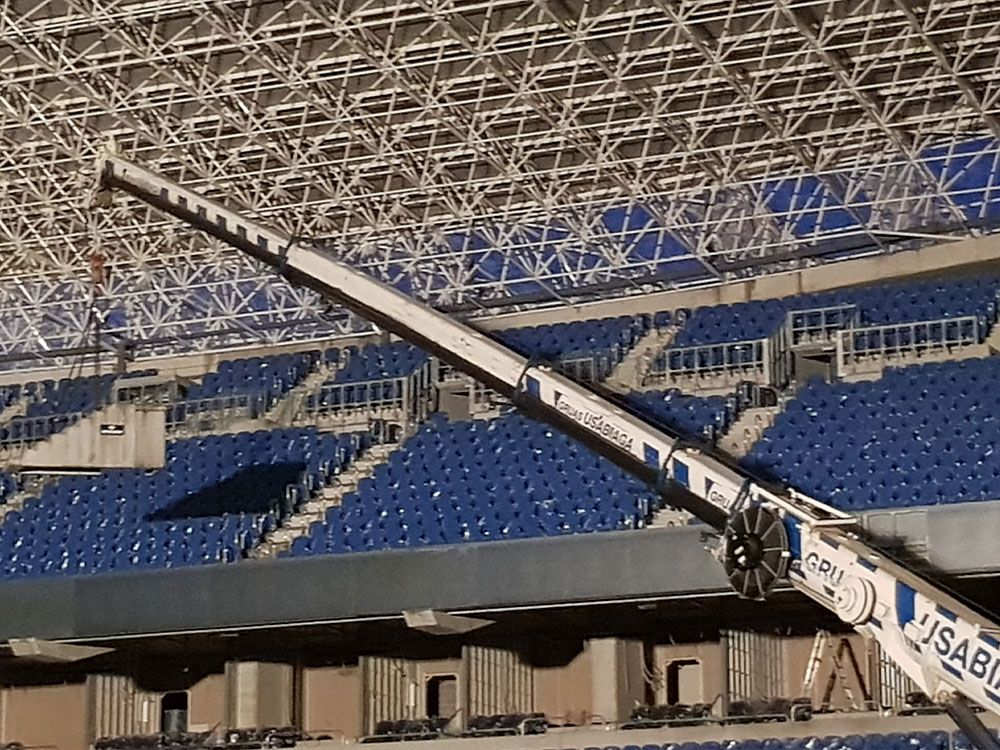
point(441, 623)
point(53, 652)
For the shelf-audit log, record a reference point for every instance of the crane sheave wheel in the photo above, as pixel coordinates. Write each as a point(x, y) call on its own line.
point(755, 552)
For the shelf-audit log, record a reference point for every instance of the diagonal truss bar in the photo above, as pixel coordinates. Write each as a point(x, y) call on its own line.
point(772, 117)
point(869, 103)
point(630, 182)
point(969, 92)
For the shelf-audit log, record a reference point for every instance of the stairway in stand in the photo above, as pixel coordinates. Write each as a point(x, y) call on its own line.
point(330, 496)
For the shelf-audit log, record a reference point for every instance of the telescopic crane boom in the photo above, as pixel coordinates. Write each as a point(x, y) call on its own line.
point(768, 535)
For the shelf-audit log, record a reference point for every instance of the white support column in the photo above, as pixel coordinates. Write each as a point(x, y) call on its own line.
point(616, 677)
point(259, 694)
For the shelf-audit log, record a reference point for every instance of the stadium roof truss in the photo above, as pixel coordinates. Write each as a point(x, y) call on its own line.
point(478, 153)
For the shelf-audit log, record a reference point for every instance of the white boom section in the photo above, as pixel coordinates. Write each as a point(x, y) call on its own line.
point(945, 647)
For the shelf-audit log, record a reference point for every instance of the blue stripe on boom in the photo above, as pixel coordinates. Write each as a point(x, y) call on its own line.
point(992, 696)
point(650, 455)
point(905, 603)
point(830, 542)
point(867, 565)
point(986, 637)
point(952, 670)
point(681, 473)
point(794, 538)
point(947, 613)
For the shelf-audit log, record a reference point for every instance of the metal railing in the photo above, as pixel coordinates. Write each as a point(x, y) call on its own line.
point(158, 393)
point(409, 399)
point(900, 339)
point(820, 324)
point(216, 409)
point(588, 368)
point(22, 431)
point(584, 367)
point(751, 355)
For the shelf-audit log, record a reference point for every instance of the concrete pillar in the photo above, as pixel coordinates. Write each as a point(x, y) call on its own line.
point(616, 677)
point(259, 694)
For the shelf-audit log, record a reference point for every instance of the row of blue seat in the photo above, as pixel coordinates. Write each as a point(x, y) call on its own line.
point(920, 435)
point(505, 478)
point(212, 502)
point(610, 336)
point(878, 305)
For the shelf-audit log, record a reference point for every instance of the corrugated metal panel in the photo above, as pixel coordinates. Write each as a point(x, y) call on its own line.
point(499, 681)
point(390, 690)
point(120, 708)
point(754, 665)
point(893, 684)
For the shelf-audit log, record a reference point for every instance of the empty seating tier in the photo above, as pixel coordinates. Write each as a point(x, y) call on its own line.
point(211, 503)
point(506, 478)
point(253, 384)
point(54, 405)
point(613, 336)
point(877, 305)
point(683, 414)
point(379, 361)
point(370, 376)
point(920, 435)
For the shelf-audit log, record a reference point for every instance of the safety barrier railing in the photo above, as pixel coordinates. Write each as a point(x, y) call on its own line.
point(22, 431)
point(483, 400)
point(588, 368)
point(900, 339)
point(217, 408)
point(820, 324)
point(409, 398)
point(777, 358)
point(711, 358)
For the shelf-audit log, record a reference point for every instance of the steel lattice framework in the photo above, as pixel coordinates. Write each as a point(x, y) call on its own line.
point(479, 152)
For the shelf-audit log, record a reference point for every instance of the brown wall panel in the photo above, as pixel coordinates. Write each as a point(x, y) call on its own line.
point(49, 716)
point(333, 701)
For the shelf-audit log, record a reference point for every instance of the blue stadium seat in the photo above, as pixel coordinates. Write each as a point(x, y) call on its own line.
point(254, 382)
point(684, 414)
point(506, 478)
point(609, 336)
point(880, 304)
point(921, 435)
point(211, 503)
point(54, 405)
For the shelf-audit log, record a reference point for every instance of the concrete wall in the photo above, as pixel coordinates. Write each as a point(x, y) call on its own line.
point(259, 694)
point(141, 444)
point(709, 656)
point(207, 703)
point(333, 701)
point(48, 717)
point(616, 678)
point(564, 690)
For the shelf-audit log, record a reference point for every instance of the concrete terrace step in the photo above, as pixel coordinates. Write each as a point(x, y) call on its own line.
point(628, 374)
point(329, 496)
point(289, 407)
point(871, 368)
point(747, 429)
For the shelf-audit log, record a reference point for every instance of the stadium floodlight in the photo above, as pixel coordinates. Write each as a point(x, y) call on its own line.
point(765, 534)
